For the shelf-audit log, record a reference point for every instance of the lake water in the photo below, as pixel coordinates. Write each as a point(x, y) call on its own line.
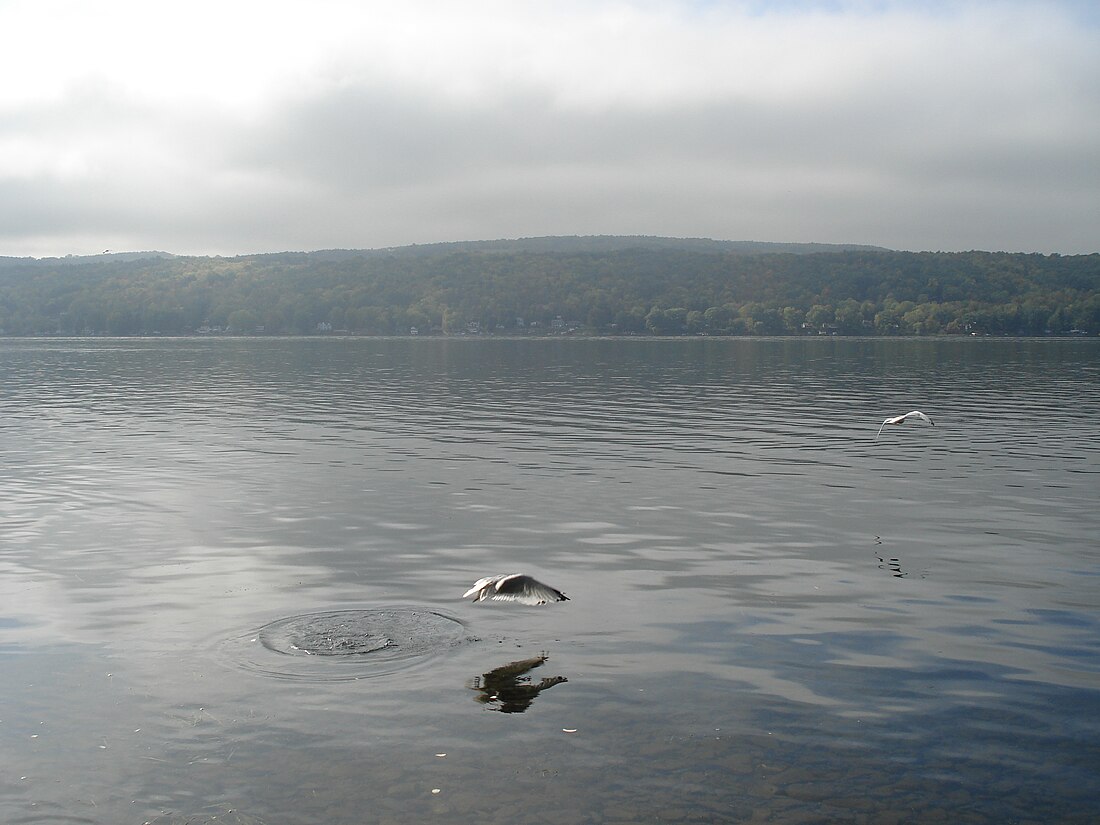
point(230, 580)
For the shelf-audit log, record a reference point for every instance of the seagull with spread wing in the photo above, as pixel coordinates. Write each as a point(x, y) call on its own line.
point(914, 415)
point(514, 587)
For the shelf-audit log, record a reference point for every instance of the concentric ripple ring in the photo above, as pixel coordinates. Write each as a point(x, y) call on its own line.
point(346, 644)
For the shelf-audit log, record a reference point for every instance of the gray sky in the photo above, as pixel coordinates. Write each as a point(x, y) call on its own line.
point(234, 126)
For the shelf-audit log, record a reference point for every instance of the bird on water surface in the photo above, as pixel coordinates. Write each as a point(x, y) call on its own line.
point(901, 419)
point(514, 587)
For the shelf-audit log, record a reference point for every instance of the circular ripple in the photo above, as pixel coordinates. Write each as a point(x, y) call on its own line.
point(346, 644)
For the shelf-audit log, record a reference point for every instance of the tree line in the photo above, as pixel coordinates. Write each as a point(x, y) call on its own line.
point(669, 289)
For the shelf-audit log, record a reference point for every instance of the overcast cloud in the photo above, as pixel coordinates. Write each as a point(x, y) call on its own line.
point(232, 127)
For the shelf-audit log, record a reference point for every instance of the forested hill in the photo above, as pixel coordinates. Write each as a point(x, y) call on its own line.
point(601, 285)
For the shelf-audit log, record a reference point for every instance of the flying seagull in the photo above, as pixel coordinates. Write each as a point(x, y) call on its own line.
point(901, 419)
point(514, 587)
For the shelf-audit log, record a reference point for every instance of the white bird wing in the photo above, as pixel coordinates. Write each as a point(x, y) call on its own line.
point(517, 587)
point(901, 419)
point(479, 585)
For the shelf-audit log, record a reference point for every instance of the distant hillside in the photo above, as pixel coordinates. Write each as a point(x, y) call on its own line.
point(600, 285)
point(75, 260)
point(562, 244)
point(570, 244)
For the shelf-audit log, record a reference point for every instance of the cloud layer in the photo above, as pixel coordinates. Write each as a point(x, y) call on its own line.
point(225, 128)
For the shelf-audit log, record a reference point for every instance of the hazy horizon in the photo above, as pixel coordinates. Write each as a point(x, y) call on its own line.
point(486, 241)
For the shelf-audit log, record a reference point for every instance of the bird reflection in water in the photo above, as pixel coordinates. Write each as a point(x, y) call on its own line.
point(892, 565)
point(509, 688)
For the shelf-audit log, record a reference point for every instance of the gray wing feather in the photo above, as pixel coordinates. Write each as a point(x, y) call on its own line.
point(517, 587)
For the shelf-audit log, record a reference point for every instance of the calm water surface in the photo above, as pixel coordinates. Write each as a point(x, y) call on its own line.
point(230, 570)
